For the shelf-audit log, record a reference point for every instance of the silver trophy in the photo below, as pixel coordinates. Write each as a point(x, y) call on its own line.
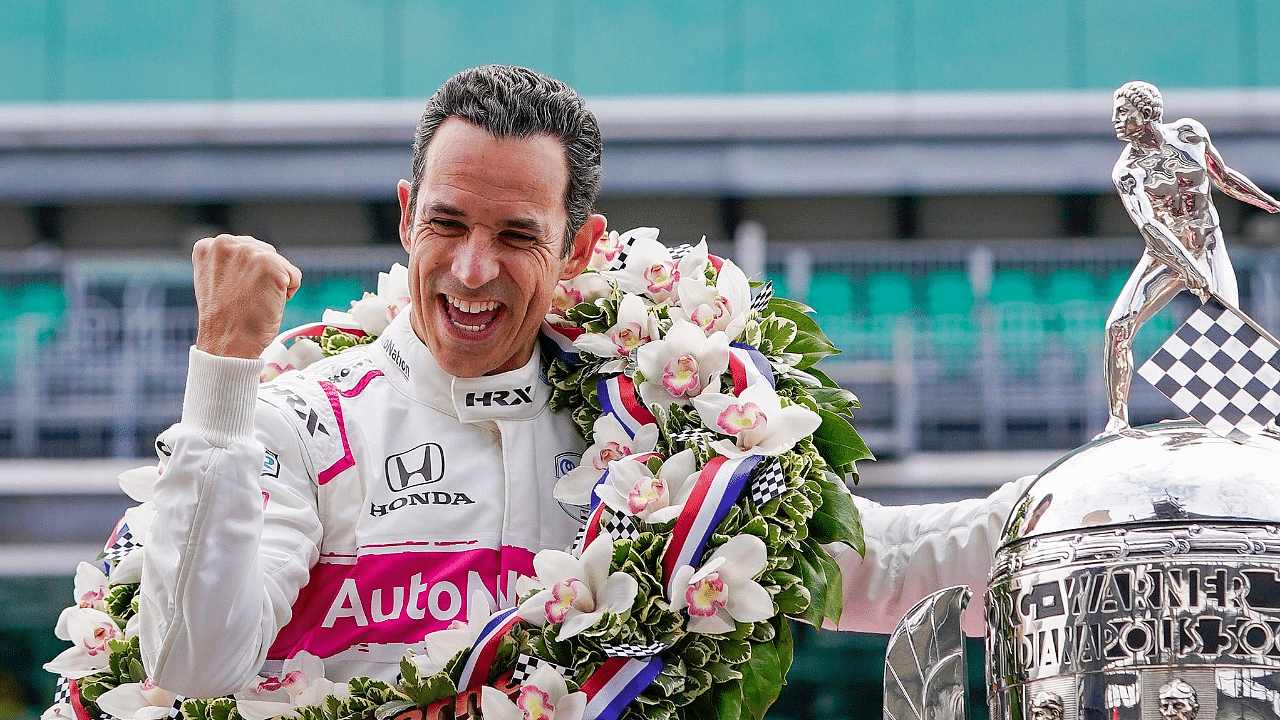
point(1139, 576)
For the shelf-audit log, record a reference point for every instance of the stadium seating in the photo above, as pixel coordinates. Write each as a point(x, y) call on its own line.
point(831, 294)
point(889, 292)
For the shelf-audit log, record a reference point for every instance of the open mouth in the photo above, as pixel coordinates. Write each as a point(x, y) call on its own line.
point(471, 315)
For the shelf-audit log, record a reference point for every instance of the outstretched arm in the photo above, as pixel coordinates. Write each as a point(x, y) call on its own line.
point(1234, 184)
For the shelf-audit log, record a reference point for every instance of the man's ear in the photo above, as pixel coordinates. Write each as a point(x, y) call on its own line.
point(403, 190)
point(584, 242)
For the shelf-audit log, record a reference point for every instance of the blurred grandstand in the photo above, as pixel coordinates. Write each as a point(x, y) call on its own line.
point(933, 178)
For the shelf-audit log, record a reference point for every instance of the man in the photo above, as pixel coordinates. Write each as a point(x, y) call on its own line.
point(1164, 177)
point(404, 478)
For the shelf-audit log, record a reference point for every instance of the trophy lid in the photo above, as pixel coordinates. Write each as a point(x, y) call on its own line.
point(1171, 472)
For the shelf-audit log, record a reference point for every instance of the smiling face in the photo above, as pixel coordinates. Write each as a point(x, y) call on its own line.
point(485, 246)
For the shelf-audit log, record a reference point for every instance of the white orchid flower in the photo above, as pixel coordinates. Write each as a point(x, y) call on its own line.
point(682, 365)
point(89, 631)
point(724, 588)
point(755, 421)
point(442, 645)
point(137, 701)
point(605, 253)
point(90, 587)
point(721, 307)
point(301, 682)
point(138, 483)
point(586, 287)
point(544, 696)
point(280, 359)
point(634, 327)
point(650, 270)
point(373, 313)
point(393, 286)
point(609, 442)
point(633, 490)
point(59, 711)
point(575, 592)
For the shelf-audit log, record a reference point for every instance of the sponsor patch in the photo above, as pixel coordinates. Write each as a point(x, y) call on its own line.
point(422, 465)
point(271, 464)
point(501, 398)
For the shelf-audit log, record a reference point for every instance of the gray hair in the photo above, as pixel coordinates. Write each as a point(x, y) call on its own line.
point(516, 102)
point(1144, 96)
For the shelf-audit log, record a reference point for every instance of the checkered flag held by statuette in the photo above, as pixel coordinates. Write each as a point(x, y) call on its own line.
point(1222, 369)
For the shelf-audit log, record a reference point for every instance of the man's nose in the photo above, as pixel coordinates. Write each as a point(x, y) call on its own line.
point(475, 260)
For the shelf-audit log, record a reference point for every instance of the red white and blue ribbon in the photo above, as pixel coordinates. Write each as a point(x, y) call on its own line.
point(717, 488)
point(748, 366)
point(618, 398)
point(557, 341)
point(617, 682)
point(592, 527)
point(476, 669)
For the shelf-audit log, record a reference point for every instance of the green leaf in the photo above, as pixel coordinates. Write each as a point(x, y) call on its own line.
point(762, 679)
point(811, 348)
point(831, 602)
point(136, 672)
point(796, 312)
point(392, 709)
point(786, 647)
point(728, 701)
point(837, 519)
point(813, 575)
point(838, 443)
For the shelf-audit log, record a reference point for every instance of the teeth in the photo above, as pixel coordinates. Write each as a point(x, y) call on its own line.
point(468, 306)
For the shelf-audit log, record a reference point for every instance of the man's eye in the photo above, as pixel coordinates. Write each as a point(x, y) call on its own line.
point(519, 238)
point(445, 226)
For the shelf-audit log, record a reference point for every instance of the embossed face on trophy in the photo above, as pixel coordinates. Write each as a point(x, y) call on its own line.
point(1046, 706)
point(1178, 701)
point(1125, 118)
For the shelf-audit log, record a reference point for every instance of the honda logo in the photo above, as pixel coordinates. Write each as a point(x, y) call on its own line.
point(420, 466)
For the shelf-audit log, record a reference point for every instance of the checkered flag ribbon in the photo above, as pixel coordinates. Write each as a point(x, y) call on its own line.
point(620, 527)
point(680, 251)
point(762, 298)
point(62, 691)
point(635, 651)
point(121, 544)
point(701, 438)
point(767, 481)
point(526, 664)
point(176, 711)
point(1222, 369)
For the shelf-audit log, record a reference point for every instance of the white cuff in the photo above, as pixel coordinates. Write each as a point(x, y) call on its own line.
point(220, 397)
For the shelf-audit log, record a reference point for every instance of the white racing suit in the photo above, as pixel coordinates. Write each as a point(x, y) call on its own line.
point(355, 506)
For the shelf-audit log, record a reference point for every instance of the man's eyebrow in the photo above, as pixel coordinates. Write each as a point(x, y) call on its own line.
point(519, 223)
point(444, 208)
point(529, 224)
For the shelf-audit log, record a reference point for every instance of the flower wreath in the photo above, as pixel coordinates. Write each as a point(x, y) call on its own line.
point(714, 469)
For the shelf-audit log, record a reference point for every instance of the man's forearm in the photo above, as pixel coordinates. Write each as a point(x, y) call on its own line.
point(913, 550)
point(216, 586)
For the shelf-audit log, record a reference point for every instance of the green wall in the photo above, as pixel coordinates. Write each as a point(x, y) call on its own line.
point(53, 50)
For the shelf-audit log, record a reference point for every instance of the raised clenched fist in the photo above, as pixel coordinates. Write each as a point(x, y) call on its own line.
point(241, 287)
